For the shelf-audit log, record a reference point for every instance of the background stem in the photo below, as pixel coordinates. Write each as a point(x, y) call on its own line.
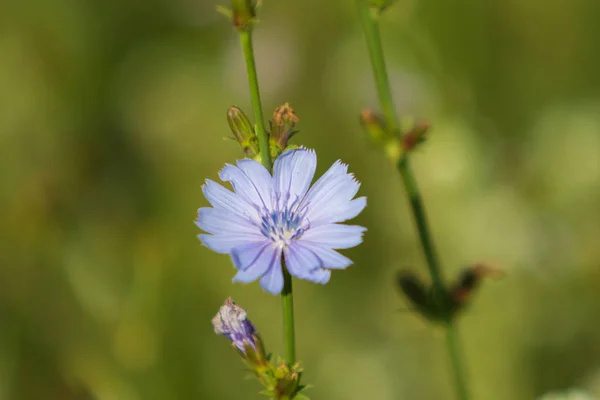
point(453, 344)
point(370, 25)
point(371, 28)
point(418, 211)
point(287, 299)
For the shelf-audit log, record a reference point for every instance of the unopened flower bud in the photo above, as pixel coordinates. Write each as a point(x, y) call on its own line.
point(281, 370)
point(413, 288)
point(415, 136)
point(374, 125)
point(243, 131)
point(243, 14)
point(282, 128)
point(381, 4)
point(231, 321)
point(379, 132)
point(288, 386)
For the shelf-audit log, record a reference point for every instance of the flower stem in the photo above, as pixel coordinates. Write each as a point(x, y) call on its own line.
point(287, 302)
point(370, 25)
point(261, 133)
point(287, 299)
point(453, 344)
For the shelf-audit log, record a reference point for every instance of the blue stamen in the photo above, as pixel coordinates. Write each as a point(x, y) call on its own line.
point(282, 226)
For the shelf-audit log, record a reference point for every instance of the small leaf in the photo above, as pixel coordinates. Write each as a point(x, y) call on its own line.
point(225, 11)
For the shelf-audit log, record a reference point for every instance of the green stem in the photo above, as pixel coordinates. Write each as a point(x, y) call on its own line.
point(453, 344)
point(261, 133)
point(287, 302)
point(418, 211)
point(287, 299)
point(368, 18)
point(369, 21)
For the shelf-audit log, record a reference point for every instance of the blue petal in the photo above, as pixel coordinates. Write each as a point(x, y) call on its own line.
point(262, 258)
point(320, 275)
point(304, 264)
point(243, 185)
point(336, 236)
point(259, 176)
point(292, 173)
point(272, 281)
point(345, 211)
point(222, 198)
point(330, 194)
point(248, 254)
point(216, 221)
point(225, 243)
point(328, 258)
point(338, 169)
point(300, 262)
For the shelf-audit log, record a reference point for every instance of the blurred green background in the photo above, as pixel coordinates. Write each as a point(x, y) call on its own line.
point(112, 114)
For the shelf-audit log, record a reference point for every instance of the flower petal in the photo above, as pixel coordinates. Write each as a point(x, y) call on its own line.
point(320, 275)
point(304, 264)
point(337, 170)
point(299, 261)
point(268, 258)
point(225, 243)
point(272, 281)
point(292, 174)
point(344, 211)
point(330, 194)
point(243, 185)
point(328, 258)
point(336, 236)
point(216, 221)
point(248, 254)
point(222, 198)
point(259, 176)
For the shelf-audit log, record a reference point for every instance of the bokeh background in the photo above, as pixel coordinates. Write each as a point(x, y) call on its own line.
point(112, 114)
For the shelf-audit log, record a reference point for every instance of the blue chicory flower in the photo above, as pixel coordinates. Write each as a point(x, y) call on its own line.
point(267, 217)
point(231, 321)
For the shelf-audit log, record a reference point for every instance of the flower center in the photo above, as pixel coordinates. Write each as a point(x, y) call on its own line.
point(282, 226)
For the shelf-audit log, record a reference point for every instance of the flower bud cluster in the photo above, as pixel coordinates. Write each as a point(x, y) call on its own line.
point(395, 144)
point(282, 126)
point(443, 306)
point(280, 381)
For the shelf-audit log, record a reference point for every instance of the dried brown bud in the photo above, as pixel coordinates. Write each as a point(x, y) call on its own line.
point(282, 128)
point(415, 136)
point(284, 114)
point(470, 279)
